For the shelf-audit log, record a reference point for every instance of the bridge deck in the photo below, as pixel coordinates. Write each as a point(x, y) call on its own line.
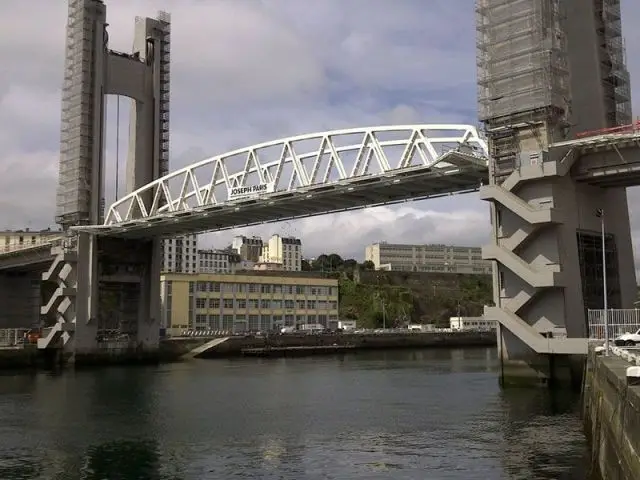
point(618, 164)
point(460, 173)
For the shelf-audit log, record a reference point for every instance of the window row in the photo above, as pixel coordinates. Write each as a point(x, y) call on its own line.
point(261, 288)
point(264, 304)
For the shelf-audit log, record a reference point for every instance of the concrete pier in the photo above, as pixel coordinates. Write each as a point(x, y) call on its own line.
point(612, 418)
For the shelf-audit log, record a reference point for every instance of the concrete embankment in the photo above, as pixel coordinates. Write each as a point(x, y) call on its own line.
point(612, 418)
point(235, 345)
point(20, 358)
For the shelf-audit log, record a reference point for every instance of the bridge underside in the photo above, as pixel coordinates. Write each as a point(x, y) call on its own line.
point(36, 258)
point(460, 174)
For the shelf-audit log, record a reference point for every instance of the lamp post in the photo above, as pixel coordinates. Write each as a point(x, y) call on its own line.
point(605, 303)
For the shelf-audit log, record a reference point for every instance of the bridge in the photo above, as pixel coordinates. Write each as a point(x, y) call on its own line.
point(302, 176)
point(553, 161)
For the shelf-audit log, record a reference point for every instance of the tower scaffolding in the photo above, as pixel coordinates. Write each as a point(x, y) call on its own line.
point(523, 74)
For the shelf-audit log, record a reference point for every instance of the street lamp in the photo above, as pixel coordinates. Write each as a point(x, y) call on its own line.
point(605, 308)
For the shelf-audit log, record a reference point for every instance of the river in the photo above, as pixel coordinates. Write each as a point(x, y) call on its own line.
point(423, 415)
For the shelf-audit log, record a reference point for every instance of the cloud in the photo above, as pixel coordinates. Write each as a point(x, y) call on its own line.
point(245, 72)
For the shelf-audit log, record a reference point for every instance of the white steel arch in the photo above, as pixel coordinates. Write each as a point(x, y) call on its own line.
point(302, 176)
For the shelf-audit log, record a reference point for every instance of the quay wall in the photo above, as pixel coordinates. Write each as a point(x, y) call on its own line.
point(611, 411)
point(174, 349)
point(234, 345)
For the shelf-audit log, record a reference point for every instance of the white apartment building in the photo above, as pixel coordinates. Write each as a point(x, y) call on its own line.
point(180, 254)
point(249, 248)
point(11, 240)
point(284, 251)
point(218, 261)
point(427, 258)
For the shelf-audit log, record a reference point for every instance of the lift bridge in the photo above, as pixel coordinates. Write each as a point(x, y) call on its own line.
point(549, 187)
point(302, 176)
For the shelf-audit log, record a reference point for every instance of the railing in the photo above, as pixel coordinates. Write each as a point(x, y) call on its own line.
point(12, 337)
point(623, 129)
point(619, 322)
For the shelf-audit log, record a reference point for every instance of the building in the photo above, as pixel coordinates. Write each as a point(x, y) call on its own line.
point(286, 251)
point(11, 240)
point(218, 261)
point(180, 254)
point(248, 248)
point(250, 301)
point(472, 323)
point(427, 258)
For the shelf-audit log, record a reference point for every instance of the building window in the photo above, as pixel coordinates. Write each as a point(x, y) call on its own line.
point(201, 303)
point(214, 303)
point(227, 303)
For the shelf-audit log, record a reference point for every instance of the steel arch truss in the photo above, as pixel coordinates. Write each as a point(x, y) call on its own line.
point(293, 163)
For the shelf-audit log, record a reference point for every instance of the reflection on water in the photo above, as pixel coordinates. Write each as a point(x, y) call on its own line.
point(419, 414)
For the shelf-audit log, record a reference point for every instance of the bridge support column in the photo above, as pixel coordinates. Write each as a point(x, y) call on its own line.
point(87, 299)
point(148, 327)
point(546, 247)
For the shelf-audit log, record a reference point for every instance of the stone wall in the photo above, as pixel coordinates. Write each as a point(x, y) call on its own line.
point(612, 418)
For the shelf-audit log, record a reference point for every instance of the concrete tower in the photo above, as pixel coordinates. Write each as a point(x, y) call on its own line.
point(106, 283)
point(549, 69)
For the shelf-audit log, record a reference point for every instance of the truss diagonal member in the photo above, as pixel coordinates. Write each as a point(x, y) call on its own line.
point(383, 161)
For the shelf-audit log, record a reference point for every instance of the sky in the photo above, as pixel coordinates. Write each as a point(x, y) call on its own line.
point(255, 70)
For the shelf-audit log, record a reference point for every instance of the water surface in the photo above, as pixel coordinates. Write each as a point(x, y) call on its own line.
point(427, 414)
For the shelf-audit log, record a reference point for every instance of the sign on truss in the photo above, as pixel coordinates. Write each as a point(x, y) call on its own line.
point(238, 193)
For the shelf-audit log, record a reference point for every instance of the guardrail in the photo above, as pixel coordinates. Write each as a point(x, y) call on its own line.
point(619, 322)
point(12, 337)
point(620, 130)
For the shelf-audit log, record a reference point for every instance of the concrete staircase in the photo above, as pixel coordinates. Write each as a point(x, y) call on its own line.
point(56, 336)
point(531, 214)
point(61, 305)
point(534, 339)
point(538, 276)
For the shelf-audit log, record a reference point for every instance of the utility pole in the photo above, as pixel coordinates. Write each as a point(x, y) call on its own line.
point(605, 301)
point(384, 317)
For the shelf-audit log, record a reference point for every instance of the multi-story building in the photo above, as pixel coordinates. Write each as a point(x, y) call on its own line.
point(218, 261)
point(249, 301)
point(427, 258)
point(249, 248)
point(11, 240)
point(180, 254)
point(286, 251)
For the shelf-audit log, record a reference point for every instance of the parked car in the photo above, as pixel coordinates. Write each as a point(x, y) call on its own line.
point(628, 339)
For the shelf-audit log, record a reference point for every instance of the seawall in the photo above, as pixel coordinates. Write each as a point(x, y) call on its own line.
point(611, 411)
point(234, 345)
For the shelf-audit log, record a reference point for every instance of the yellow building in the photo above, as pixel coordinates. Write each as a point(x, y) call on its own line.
point(250, 301)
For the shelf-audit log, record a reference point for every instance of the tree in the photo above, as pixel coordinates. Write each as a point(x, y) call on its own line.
point(349, 264)
point(305, 265)
point(368, 265)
